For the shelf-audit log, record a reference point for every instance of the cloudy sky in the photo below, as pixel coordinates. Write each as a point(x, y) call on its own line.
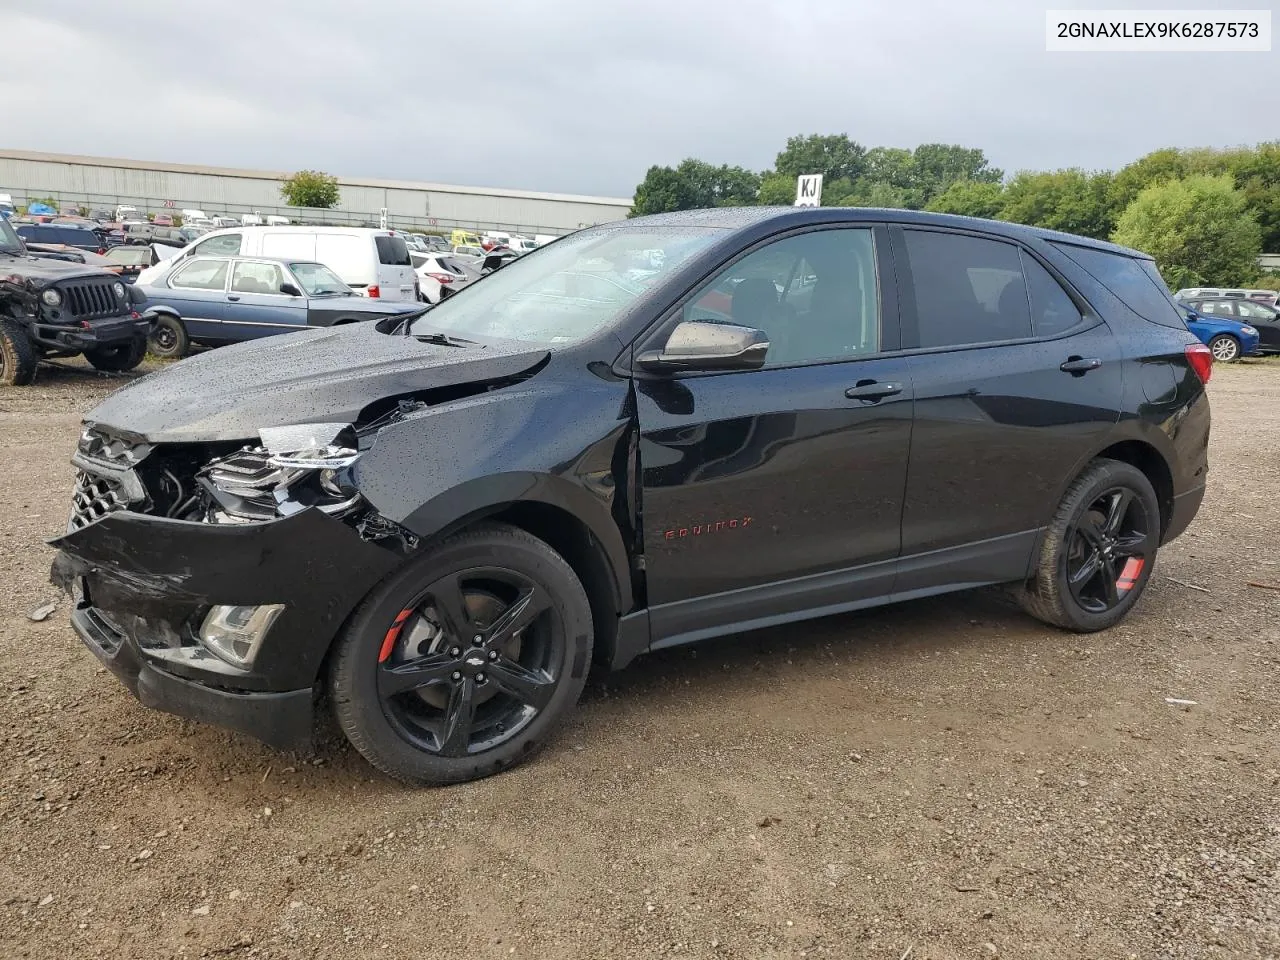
point(581, 96)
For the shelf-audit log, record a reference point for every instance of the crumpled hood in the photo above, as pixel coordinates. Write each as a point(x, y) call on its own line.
point(306, 377)
point(39, 272)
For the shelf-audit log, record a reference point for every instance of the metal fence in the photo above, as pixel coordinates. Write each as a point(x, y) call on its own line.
point(66, 202)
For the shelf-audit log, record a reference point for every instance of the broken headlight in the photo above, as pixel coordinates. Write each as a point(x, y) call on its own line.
point(294, 468)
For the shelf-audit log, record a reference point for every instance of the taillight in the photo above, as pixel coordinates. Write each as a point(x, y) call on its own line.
point(375, 291)
point(1201, 360)
point(441, 277)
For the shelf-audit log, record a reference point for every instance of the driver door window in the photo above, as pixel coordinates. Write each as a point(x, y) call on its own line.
point(815, 296)
point(256, 278)
point(201, 275)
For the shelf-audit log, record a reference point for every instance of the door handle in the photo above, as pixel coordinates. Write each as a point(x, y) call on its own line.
point(873, 390)
point(1079, 366)
point(230, 297)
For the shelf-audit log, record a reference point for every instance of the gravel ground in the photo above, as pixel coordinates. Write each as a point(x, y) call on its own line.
point(941, 779)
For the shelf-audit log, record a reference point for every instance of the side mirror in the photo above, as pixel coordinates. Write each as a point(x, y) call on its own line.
point(290, 289)
point(696, 345)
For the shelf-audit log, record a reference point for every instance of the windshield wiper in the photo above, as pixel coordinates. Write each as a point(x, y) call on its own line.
point(443, 339)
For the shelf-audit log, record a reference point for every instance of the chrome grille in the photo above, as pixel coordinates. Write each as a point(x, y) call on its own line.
point(93, 298)
point(93, 498)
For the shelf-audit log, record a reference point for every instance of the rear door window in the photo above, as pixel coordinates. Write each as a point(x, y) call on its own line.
point(1052, 311)
point(201, 275)
point(1136, 282)
point(248, 277)
point(967, 289)
point(392, 251)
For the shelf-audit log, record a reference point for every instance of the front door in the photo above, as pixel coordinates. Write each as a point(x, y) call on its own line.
point(256, 307)
point(1014, 385)
point(198, 291)
point(764, 489)
point(1265, 320)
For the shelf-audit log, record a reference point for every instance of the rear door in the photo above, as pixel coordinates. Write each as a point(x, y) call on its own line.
point(197, 289)
point(1265, 319)
point(396, 279)
point(1015, 381)
point(768, 493)
point(255, 305)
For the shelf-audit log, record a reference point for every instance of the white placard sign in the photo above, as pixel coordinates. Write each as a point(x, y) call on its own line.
point(809, 190)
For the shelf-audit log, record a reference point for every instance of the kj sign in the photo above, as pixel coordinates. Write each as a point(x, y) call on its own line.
point(809, 190)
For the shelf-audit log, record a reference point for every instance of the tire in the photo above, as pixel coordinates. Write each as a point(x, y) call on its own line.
point(168, 339)
point(1225, 348)
point(407, 733)
point(1078, 535)
point(18, 357)
point(118, 357)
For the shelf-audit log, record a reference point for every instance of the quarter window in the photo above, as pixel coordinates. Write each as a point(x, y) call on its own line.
point(256, 278)
point(967, 290)
point(1136, 282)
point(201, 275)
point(215, 246)
point(815, 296)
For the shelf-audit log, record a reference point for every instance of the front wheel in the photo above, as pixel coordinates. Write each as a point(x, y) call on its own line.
point(118, 357)
point(1099, 550)
point(1225, 348)
point(169, 340)
point(18, 356)
point(462, 663)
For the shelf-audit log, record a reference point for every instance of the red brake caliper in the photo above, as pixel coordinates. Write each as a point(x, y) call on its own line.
point(1129, 575)
point(389, 641)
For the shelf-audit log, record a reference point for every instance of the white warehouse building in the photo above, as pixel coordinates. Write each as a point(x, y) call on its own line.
point(104, 182)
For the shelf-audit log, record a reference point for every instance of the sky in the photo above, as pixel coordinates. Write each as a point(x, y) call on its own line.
point(572, 96)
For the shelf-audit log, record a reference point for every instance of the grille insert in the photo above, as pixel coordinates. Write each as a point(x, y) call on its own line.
point(93, 498)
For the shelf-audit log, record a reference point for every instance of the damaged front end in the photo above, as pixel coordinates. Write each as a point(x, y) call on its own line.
point(211, 578)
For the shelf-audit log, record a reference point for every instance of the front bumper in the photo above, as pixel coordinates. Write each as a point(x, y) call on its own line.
point(142, 585)
point(99, 333)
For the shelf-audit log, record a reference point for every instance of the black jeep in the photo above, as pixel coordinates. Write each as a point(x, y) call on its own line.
point(52, 308)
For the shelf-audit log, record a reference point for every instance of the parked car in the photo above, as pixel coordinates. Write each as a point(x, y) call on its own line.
point(374, 262)
point(1220, 293)
point(215, 300)
point(219, 223)
point(7, 209)
point(439, 526)
point(70, 235)
point(440, 276)
point(1235, 328)
point(52, 308)
point(126, 214)
point(467, 252)
point(162, 220)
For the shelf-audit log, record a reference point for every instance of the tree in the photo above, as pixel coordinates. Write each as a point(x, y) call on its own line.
point(692, 185)
point(1159, 166)
point(935, 166)
point(777, 189)
point(1072, 201)
point(1257, 176)
point(970, 199)
point(1199, 230)
point(834, 156)
point(310, 188)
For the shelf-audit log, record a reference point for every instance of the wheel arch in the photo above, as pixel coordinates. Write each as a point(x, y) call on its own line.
point(1144, 456)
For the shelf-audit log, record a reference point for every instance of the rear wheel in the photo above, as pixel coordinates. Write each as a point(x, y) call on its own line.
point(18, 357)
point(461, 664)
point(1099, 551)
point(1225, 348)
point(169, 339)
point(118, 357)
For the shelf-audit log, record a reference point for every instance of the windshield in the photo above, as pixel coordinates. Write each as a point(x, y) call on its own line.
point(570, 289)
point(9, 242)
point(318, 280)
point(131, 256)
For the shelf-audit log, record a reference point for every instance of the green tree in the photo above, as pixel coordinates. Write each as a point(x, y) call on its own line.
point(834, 156)
point(1199, 230)
point(935, 166)
point(1257, 176)
point(310, 188)
point(777, 189)
point(970, 199)
point(1159, 166)
point(692, 185)
point(1069, 200)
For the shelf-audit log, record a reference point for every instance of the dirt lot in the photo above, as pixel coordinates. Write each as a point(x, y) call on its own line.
point(942, 779)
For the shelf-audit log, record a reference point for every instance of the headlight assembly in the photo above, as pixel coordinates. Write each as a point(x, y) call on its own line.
point(52, 297)
point(118, 288)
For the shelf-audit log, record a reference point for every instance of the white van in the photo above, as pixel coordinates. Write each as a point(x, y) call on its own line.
point(190, 214)
point(375, 262)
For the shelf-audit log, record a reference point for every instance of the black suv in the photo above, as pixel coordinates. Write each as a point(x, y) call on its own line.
point(641, 435)
point(53, 308)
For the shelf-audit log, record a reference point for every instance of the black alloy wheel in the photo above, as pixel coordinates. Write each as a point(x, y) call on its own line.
point(1097, 554)
point(1108, 550)
point(470, 663)
point(463, 661)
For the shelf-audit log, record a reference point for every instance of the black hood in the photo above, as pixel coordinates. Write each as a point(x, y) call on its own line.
point(308, 377)
point(39, 272)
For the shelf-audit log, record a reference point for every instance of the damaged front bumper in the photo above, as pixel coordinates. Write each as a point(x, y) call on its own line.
point(142, 586)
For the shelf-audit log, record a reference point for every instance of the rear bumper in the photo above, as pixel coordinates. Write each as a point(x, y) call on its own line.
point(1185, 507)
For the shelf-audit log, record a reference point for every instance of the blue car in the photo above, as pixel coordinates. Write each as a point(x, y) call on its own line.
point(214, 300)
point(1226, 339)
